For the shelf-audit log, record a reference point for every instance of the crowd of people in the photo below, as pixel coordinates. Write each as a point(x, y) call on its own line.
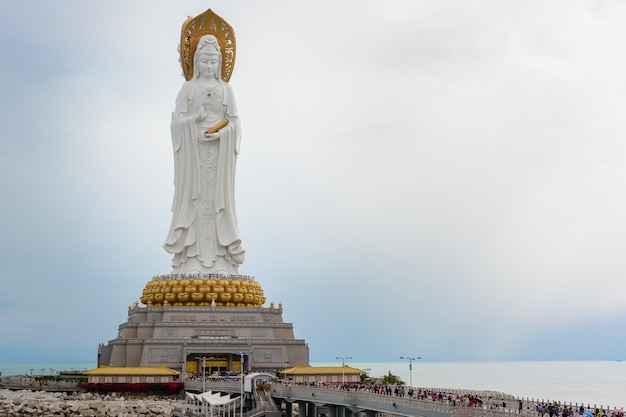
point(483, 399)
point(561, 410)
point(487, 400)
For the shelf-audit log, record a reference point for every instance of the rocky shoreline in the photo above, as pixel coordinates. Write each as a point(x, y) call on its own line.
point(60, 404)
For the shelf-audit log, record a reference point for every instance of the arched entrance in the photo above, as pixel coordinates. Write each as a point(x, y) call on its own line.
point(214, 364)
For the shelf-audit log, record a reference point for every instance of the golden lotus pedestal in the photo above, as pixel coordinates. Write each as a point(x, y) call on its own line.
point(221, 292)
point(190, 320)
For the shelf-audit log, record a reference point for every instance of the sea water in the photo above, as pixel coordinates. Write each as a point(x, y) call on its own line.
point(589, 383)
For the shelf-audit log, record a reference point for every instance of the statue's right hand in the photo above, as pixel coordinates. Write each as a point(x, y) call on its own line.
point(202, 113)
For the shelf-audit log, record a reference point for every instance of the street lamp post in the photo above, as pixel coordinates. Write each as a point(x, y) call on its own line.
point(343, 367)
point(285, 363)
point(203, 359)
point(241, 358)
point(210, 366)
point(410, 359)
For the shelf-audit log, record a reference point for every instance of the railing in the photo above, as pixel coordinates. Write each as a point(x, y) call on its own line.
point(359, 400)
point(215, 385)
point(388, 404)
point(27, 382)
point(492, 404)
point(264, 401)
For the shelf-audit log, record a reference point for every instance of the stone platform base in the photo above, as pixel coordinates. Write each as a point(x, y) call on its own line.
point(216, 337)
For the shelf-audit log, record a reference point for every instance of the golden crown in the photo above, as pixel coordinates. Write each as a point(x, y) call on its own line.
point(207, 23)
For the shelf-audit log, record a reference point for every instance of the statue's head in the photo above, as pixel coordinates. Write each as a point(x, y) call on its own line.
point(192, 33)
point(208, 52)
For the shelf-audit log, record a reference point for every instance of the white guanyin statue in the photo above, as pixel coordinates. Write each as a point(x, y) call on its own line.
point(204, 237)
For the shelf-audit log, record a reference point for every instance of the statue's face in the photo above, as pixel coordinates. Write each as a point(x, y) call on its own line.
point(208, 65)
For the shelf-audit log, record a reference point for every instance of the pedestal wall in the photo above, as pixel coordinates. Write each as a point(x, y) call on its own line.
point(174, 336)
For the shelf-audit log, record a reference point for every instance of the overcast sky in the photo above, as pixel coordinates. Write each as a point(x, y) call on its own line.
point(442, 179)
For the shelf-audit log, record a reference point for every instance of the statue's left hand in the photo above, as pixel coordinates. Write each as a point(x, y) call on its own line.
point(210, 136)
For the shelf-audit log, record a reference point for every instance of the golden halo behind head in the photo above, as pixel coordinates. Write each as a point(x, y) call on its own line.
point(207, 23)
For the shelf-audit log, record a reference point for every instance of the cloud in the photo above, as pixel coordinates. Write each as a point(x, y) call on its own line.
point(444, 178)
